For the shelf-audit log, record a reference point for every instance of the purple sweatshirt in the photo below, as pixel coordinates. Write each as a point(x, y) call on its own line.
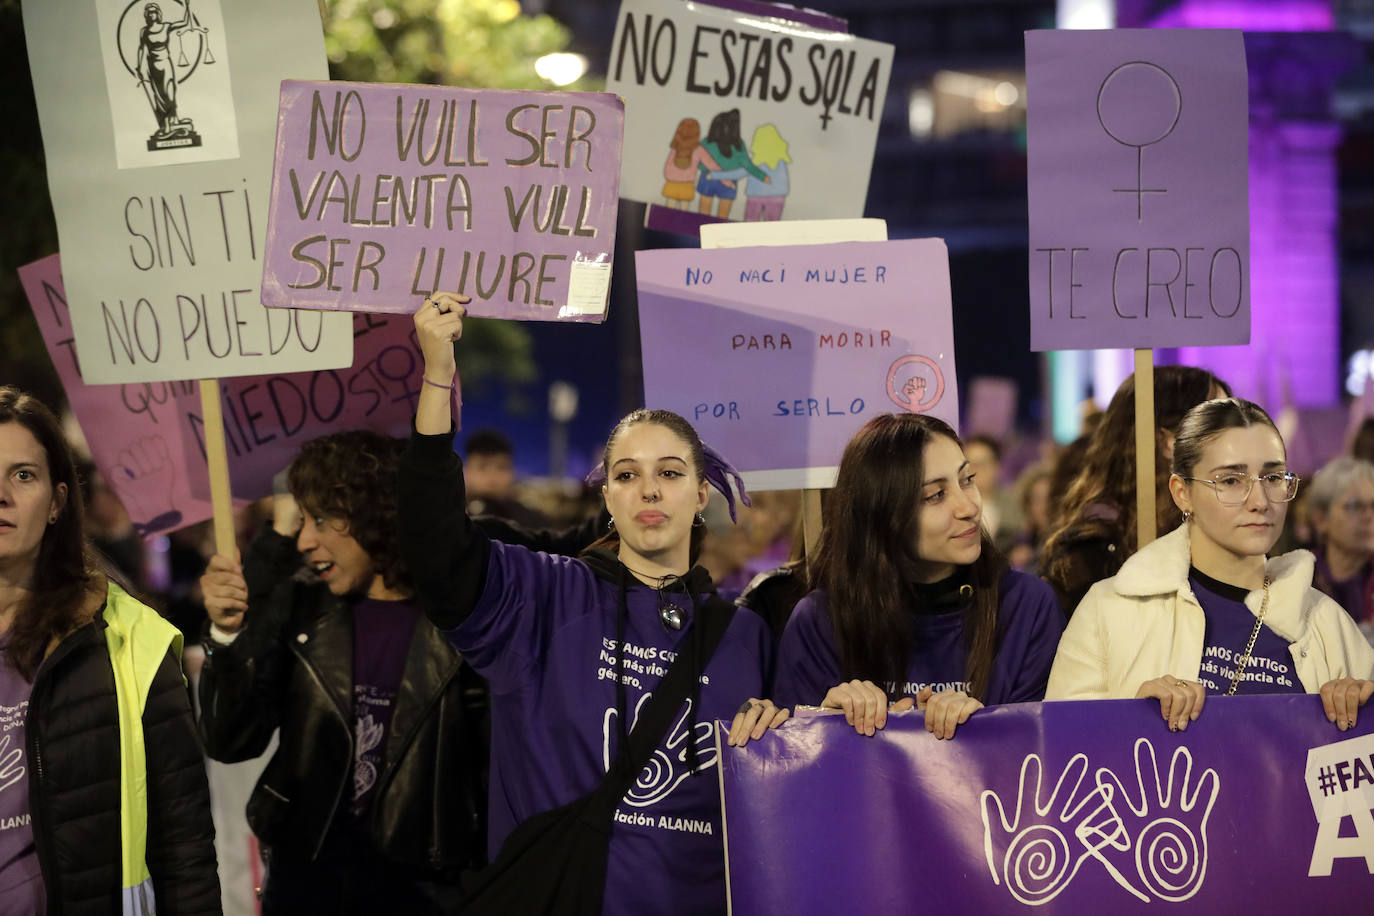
point(542, 630)
point(1029, 624)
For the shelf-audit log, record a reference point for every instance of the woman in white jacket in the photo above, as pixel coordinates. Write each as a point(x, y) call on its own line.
point(1201, 611)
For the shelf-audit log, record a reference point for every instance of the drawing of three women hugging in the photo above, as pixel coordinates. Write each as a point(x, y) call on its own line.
point(711, 168)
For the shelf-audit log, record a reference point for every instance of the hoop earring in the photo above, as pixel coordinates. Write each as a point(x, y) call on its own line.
point(699, 521)
point(1187, 517)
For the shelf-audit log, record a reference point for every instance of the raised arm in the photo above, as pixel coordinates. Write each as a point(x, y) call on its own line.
point(445, 552)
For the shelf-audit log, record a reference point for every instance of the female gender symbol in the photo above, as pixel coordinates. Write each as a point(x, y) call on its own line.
point(1138, 105)
point(910, 398)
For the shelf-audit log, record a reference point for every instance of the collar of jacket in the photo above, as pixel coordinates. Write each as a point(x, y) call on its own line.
point(1161, 568)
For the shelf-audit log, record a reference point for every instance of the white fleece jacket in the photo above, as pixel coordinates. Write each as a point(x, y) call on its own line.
point(1145, 622)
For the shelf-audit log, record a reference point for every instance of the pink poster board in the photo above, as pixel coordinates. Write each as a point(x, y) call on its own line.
point(383, 193)
point(134, 430)
point(778, 355)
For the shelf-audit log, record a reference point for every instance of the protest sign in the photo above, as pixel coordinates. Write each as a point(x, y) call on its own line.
point(1261, 806)
point(268, 417)
point(149, 438)
point(1139, 214)
point(753, 114)
point(777, 355)
point(382, 194)
point(131, 429)
point(157, 126)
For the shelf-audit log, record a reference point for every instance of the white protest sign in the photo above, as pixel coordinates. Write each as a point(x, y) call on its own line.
point(158, 124)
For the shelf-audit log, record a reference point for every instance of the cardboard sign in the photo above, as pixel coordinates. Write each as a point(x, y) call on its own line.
point(1066, 807)
point(746, 115)
point(384, 193)
point(1139, 210)
point(777, 355)
point(157, 125)
point(132, 429)
point(148, 438)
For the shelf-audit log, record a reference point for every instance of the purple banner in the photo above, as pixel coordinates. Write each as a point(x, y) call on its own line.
point(1261, 806)
point(1139, 215)
point(384, 193)
point(792, 348)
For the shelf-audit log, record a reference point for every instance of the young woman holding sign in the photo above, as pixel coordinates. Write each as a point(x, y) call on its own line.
point(1201, 611)
point(104, 805)
point(606, 671)
point(913, 600)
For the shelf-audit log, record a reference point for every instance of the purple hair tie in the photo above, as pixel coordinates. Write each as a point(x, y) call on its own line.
point(719, 473)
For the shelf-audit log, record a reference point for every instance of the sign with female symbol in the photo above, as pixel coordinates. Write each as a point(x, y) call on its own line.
point(1137, 146)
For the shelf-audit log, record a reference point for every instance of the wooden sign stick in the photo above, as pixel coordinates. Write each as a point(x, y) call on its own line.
point(218, 460)
point(1144, 447)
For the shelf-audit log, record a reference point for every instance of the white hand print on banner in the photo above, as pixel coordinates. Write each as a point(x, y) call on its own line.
point(10, 769)
point(667, 768)
point(1170, 852)
point(1040, 861)
point(1160, 834)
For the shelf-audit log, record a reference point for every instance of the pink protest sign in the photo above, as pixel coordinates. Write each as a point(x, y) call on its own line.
point(133, 429)
point(777, 355)
point(268, 417)
point(383, 193)
point(1139, 214)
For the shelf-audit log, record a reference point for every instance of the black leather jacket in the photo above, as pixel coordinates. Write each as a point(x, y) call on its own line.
point(291, 668)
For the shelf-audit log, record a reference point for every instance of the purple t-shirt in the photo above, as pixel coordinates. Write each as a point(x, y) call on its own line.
point(1029, 626)
point(1228, 629)
point(382, 631)
point(544, 636)
point(21, 882)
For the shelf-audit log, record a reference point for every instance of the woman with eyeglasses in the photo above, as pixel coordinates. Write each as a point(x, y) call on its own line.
point(1341, 505)
point(1202, 611)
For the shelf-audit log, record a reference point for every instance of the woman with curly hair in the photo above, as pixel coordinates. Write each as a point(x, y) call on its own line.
point(371, 802)
point(1094, 528)
point(104, 805)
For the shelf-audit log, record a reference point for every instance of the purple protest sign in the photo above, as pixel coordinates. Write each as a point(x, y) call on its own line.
point(1139, 215)
point(383, 193)
point(777, 355)
point(131, 429)
point(1076, 807)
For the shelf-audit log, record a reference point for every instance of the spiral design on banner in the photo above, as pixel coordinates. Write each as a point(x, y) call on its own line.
point(1037, 864)
point(1169, 859)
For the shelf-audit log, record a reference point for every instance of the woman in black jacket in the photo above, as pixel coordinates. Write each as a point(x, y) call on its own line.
point(375, 799)
point(96, 735)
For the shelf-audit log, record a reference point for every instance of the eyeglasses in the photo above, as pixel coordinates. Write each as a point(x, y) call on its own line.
point(1234, 489)
point(1357, 507)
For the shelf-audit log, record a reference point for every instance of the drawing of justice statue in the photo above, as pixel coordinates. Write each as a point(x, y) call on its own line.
point(158, 76)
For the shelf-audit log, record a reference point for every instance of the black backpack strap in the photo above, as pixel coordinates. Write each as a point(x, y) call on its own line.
point(672, 691)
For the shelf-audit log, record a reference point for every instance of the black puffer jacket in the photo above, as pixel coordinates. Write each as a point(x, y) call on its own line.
point(291, 667)
point(72, 734)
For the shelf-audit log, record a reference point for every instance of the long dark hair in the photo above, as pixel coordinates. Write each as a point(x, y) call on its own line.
point(724, 132)
point(869, 551)
point(352, 476)
point(684, 431)
point(1108, 464)
point(66, 569)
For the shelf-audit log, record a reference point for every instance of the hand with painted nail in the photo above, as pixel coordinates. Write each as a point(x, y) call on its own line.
point(1342, 699)
point(1180, 701)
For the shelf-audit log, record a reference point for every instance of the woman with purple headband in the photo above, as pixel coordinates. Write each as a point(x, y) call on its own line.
point(575, 649)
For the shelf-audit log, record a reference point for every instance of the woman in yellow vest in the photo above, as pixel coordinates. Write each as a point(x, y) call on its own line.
point(104, 806)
